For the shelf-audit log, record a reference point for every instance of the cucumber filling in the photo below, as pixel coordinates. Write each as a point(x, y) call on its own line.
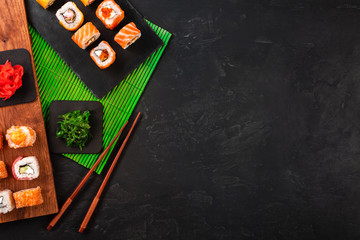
point(26, 169)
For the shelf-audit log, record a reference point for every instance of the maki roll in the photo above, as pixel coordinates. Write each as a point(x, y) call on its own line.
point(45, 3)
point(127, 35)
point(7, 203)
point(86, 35)
point(20, 136)
point(3, 172)
point(110, 14)
point(87, 2)
point(103, 55)
point(70, 17)
point(25, 168)
point(28, 197)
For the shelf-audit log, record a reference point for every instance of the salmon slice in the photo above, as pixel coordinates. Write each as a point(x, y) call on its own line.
point(86, 35)
point(127, 35)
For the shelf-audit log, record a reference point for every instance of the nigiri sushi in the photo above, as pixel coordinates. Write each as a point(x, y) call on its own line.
point(3, 172)
point(7, 203)
point(86, 35)
point(87, 2)
point(127, 35)
point(103, 55)
point(70, 17)
point(20, 136)
point(110, 14)
point(28, 197)
point(45, 3)
point(25, 168)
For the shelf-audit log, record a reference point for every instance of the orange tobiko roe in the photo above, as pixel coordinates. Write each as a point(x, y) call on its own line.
point(106, 12)
point(18, 136)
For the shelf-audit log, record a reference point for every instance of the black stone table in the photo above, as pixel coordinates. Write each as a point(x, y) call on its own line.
point(251, 130)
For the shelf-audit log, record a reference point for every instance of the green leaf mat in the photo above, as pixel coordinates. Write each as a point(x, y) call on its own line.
point(58, 82)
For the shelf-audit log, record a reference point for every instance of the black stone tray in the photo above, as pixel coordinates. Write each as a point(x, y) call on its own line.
point(100, 82)
point(94, 144)
point(26, 93)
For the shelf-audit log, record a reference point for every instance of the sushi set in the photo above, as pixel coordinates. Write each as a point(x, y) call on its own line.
point(102, 41)
point(27, 186)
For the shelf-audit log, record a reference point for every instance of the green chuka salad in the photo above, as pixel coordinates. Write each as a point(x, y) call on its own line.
point(74, 128)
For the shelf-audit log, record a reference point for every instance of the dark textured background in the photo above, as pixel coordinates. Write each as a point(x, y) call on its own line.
point(250, 130)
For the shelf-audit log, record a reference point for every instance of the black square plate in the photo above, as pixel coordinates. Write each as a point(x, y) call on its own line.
point(26, 93)
point(100, 82)
point(58, 145)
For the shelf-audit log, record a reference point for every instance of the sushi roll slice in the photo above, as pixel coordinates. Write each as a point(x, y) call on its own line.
point(86, 35)
point(7, 203)
point(110, 14)
point(1, 140)
point(87, 2)
point(3, 172)
point(127, 35)
point(45, 3)
point(20, 136)
point(28, 197)
point(26, 168)
point(103, 55)
point(70, 17)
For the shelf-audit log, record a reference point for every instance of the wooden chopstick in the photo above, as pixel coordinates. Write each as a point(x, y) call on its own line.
point(83, 181)
point(103, 184)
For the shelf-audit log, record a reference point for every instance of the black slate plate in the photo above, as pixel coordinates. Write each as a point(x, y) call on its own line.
point(58, 145)
point(100, 82)
point(26, 93)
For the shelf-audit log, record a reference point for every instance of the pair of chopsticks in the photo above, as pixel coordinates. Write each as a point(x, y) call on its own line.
point(101, 189)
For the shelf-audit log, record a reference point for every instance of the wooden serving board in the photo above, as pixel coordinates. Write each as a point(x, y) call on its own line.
point(14, 34)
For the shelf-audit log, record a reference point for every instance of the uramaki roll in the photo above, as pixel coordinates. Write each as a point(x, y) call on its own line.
point(103, 55)
point(7, 203)
point(110, 14)
point(70, 17)
point(28, 197)
point(45, 3)
point(87, 2)
point(3, 171)
point(20, 136)
point(86, 35)
point(127, 35)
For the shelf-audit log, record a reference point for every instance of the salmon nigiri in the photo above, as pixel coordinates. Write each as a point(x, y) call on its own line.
point(127, 35)
point(86, 35)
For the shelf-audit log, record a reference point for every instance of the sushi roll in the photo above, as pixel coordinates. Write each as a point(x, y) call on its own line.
point(87, 2)
point(110, 14)
point(70, 17)
point(28, 197)
point(20, 136)
point(45, 3)
point(1, 140)
point(25, 168)
point(86, 35)
point(103, 55)
point(3, 172)
point(127, 35)
point(7, 203)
